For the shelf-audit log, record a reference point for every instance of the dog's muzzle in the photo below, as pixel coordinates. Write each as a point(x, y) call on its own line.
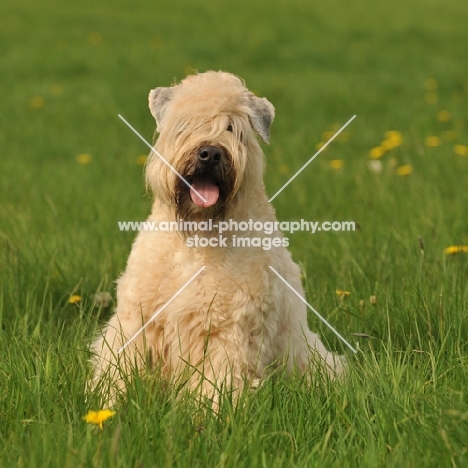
point(205, 188)
point(209, 156)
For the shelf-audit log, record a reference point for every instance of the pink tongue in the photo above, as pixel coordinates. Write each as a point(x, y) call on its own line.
point(207, 189)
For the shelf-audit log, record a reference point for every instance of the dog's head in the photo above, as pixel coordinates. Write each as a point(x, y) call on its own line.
point(206, 127)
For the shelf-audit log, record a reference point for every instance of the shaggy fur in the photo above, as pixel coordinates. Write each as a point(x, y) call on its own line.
point(236, 318)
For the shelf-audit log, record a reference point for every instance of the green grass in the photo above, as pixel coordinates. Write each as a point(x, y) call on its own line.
point(406, 401)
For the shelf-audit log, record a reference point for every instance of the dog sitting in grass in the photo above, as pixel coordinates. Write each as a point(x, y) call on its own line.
point(214, 316)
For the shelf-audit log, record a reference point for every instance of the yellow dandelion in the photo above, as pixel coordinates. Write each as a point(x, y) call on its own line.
point(36, 102)
point(320, 145)
point(443, 116)
point(342, 294)
point(404, 170)
point(450, 135)
point(394, 135)
point(461, 150)
point(431, 97)
point(336, 164)
point(141, 160)
point(327, 135)
point(433, 141)
point(377, 152)
point(386, 145)
point(453, 249)
point(431, 84)
point(98, 417)
point(94, 39)
point(373, 300)
point(83, 158)
point(392, 140)
point(283, 169)
point(56, 89)
point(74, 299)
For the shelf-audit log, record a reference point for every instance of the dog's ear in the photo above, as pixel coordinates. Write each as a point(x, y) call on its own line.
point(261, 116)
point(158, 100)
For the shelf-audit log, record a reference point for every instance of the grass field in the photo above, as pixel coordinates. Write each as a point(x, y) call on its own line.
point(69, 170)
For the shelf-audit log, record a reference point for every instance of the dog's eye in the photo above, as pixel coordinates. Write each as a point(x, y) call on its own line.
point(229, 128)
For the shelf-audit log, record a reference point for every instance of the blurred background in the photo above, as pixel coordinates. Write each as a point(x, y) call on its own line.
point(70, 169)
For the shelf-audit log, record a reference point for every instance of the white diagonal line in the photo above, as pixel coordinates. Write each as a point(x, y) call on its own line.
point(312, 158)
point(313, 310)
point(161, 309)
point(160, 157)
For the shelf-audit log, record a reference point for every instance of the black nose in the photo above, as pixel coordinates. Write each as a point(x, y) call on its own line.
point(209, 155)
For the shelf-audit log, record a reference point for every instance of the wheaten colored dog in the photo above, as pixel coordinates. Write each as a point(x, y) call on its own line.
point(237, 317)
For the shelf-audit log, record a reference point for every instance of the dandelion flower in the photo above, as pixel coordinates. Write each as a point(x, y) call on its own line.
point(390, 143)
point(141, 160)
point(74, 299)
point(431, 84)
point(433, 141)
point(36, 102)
point(386, 145)
point(327, 135)
point(320, 145)
point(373, 300)
point(98, 417)
point(84, 158)
point(404, 170)
point(453, 249)
point(443, 116)
point(377, 152)
point(461, 150)
point(336, 164)
point(342, 294)
point(393, 139)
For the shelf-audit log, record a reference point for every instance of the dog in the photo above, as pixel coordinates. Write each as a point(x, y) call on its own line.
point(236, 318)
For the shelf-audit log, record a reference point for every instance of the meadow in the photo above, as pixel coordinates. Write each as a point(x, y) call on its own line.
point(396, 288)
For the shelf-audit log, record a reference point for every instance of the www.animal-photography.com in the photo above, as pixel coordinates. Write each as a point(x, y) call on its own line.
point(234, 235)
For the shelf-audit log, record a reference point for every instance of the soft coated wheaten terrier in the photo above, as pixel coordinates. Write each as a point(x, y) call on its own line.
point(237, 317)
